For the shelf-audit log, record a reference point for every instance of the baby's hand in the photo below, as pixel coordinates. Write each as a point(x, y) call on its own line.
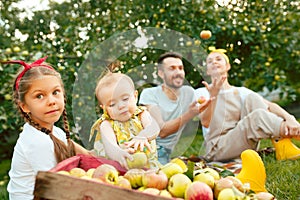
point(138, 142)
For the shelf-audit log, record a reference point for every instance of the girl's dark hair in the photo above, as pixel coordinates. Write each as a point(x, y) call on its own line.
point(62, 151)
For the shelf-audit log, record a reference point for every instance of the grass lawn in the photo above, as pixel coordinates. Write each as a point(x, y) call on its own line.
point(283, 177)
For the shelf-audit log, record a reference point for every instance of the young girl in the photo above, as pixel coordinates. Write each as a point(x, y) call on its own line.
point(40, 98)
point(125, 127)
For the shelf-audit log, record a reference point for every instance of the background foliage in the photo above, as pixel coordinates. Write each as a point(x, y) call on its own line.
point(261, 37)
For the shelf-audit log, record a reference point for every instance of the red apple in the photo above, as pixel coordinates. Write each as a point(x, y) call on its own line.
point(205, 34)
point(199, 190)
point(155, 179)
point(107, 173)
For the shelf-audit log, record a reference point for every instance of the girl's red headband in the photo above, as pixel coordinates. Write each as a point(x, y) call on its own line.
point(37, 63)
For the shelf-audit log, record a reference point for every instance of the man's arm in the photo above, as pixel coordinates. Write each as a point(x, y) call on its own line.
point(172, 126)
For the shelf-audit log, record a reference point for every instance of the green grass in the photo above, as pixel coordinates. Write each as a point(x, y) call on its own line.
point(283, 177)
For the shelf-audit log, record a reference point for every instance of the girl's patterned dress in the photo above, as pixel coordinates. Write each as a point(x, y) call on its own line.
point(124, 132)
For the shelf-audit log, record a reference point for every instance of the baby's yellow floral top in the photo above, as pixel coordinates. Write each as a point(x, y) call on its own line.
point(124, 132)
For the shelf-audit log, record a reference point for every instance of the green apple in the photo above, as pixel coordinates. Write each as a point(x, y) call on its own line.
point(123, 182)
point(226, 194)
point(205, 178)
point(178, 184)
point(135, 177)
point(107, 173)
point(155, 179)
point(198, 190)
point(171, 168)
point(139, 160)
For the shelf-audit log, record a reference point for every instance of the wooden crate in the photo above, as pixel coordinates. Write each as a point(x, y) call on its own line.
point(51, 185)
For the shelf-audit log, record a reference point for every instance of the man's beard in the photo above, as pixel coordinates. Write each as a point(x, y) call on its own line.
point(170, 83)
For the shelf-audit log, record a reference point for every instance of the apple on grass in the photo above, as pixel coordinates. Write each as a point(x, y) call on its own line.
point(107, 173)
point(178, 184)
point(198, 190)
point(140, 160)
point(155, 179)
point(135, 177)
point(170, 169)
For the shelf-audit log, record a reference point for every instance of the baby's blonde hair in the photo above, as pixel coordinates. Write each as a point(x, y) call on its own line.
point(109, 79)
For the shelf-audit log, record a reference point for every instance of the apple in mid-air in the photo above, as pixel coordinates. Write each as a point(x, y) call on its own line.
point(205, 34)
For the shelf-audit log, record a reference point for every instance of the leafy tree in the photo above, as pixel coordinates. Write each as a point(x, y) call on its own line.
point(261, 37)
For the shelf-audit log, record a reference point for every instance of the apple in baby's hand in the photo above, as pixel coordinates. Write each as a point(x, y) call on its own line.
point(178, 184)
point(198, 190)
point(139, 160)
point(205, 34)
point(135, 177)
point(107, 173)
point(155, 179)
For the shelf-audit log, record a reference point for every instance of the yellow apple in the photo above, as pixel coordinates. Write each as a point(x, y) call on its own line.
point(64, 172)
point(205, 178)
point(139, 160)
point(212, 172)
point(77, 172)
point(226, 194)
point(165, 193)
point(177, 185)
point(90, 172)
point(171, 168)
point(181, 163)
point(153, 191)
point(123, 182)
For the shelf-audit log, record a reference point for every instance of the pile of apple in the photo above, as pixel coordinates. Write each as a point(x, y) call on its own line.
point(171, 180)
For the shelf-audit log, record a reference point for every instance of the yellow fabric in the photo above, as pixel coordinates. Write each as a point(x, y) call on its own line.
point(124, 132)
point(221, 51)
